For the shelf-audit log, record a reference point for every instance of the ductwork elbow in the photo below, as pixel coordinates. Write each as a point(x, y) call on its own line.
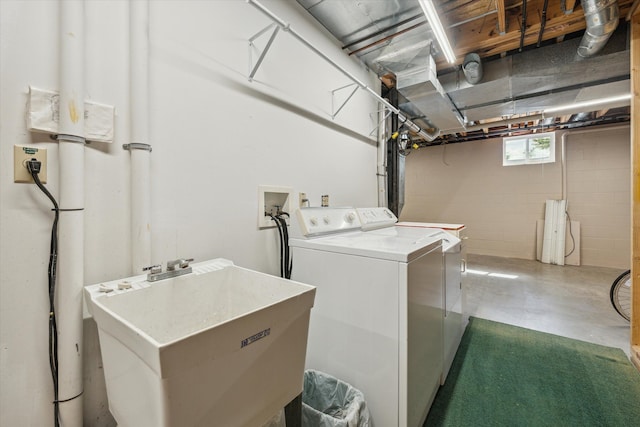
point(472, 68)
point(602, 18)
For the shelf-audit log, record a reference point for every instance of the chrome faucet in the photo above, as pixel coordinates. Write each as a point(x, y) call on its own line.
point(176, 267)
point(181, 263)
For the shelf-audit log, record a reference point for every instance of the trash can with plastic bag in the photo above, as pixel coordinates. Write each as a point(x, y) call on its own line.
point(329, 402)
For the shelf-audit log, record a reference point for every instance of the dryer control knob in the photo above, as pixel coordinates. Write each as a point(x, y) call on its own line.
point(350, 217)
point(326, 220)
point(313, 221)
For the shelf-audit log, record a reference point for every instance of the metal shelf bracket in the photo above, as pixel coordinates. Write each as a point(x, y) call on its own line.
point(334, 101)
point(253, 69)
point(279, 23)
point(386, 115)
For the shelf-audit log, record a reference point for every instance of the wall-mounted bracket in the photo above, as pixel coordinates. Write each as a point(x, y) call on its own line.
point(385, 117)
point(287, 27)
point(334, 102)
point(253, 69)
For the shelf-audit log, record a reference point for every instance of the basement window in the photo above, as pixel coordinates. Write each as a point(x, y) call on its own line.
point(529, 149)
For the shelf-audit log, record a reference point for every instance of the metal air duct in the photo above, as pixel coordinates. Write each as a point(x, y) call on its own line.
point(602, 19)
point(472, 68)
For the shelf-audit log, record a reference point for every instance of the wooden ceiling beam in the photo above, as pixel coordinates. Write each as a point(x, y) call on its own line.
point(569, 6)
point(502, 17)
point(483, 34)
point(487, 44)
point(634, 7)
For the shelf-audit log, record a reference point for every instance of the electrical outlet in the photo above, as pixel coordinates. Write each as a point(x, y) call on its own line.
point(22, 154)
point(302, 200)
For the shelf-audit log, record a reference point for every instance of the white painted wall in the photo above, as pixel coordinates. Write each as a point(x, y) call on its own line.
point(215, 135)
point(466, 183)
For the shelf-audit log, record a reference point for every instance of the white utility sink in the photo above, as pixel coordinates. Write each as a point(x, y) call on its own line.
point(221, 346)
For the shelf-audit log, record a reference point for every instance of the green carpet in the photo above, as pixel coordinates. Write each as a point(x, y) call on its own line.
point(509, 376)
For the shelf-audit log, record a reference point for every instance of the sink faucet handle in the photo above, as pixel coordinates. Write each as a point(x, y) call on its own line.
point(184, 263)
point(153, 269)
point(181, 263)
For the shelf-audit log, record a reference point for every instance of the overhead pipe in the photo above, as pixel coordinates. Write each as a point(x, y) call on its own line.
point(532, 117)
point(543, 22)
point(602, 18)
point(384, 30)
point(387, 38)
point(524, 24)
point(401, 117)
point(70, 278)
point(139, 135)
point(510, 131)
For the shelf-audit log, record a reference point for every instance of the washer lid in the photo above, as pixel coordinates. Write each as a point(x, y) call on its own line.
point(449, 241)
point(372, 245)
point(442, 225)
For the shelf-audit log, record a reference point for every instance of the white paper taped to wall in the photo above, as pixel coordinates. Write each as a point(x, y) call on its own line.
point(43, 115)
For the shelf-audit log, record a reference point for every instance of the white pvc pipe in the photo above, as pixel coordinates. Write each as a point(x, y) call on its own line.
point(70, 278)
point(381, 171)
point(140, 158)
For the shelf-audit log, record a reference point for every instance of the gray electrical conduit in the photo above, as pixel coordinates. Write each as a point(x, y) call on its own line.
point(401, 117)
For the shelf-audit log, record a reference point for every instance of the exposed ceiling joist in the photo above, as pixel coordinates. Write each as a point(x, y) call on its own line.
point(393, 38)
point(502, 17)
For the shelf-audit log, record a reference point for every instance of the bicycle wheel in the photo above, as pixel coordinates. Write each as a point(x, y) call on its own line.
point(620, 294)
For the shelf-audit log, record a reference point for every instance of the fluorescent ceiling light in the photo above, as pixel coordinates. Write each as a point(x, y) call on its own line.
point(588, 103)
point(436, 26)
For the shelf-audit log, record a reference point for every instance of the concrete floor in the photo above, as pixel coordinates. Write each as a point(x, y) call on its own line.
point(571, 301)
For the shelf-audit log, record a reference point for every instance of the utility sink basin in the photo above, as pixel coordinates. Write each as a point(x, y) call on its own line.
point(221, 346)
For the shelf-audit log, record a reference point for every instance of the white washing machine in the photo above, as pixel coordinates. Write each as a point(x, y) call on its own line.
point(460, 231)
point(378, 315)
point(453, 318)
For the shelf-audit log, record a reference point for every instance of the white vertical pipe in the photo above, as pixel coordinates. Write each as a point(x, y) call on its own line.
point(381, 171)
point(71, 224)
point(140, 158)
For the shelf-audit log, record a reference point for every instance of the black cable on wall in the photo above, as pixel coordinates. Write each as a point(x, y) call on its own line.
point(33, 166)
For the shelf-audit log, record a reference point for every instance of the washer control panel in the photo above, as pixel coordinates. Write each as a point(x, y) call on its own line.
point(373, 218)
point(318, 221)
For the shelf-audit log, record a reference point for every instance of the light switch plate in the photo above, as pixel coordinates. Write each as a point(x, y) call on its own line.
point(21, 154)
